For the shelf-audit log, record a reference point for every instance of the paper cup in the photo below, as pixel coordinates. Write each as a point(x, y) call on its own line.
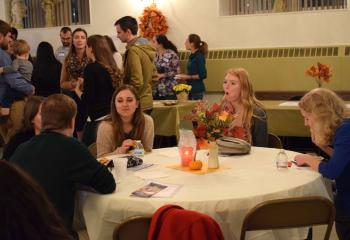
point(120, 168)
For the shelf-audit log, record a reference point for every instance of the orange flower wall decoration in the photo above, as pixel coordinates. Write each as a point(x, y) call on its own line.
point(152, 22)
point(320, 72)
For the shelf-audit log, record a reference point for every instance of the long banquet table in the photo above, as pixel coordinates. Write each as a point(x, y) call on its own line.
point(285, 120)
point(167, 118)
point(226, 195)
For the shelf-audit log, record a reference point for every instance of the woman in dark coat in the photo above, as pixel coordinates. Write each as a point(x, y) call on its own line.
point(47, 71)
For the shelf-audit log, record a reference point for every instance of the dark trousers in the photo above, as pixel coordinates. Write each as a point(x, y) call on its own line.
point(169, 97)
point(81, 117)
point(90, 133)
point(196, 96)
point(343, 229)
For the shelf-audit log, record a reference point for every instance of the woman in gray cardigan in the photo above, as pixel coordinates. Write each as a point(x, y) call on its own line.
point(127, 123)
point(250, 121)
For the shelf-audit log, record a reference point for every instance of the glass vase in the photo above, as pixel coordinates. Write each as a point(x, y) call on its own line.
point(187, 146)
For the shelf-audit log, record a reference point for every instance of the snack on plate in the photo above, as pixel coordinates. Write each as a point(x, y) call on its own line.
point(104, 161)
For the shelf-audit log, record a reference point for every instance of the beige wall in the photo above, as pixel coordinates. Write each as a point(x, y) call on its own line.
point(187, 16)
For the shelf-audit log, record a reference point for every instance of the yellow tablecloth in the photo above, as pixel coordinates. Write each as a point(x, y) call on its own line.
point(167, 118)
point(227, 195)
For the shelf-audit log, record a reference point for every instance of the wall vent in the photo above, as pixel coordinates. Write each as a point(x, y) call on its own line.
point(347, 51)
point(293, 52)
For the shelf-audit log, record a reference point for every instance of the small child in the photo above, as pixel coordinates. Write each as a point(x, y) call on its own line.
point(21, 64)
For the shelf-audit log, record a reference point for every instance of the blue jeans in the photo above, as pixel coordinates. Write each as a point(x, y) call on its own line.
point(196, 96)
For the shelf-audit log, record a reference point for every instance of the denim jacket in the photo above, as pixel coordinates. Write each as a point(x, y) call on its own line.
point(13, 80)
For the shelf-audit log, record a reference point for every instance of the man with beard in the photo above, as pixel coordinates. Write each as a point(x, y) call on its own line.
point(11, 83)
point(66, 39)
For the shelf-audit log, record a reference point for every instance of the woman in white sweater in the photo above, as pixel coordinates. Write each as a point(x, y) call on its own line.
point(127, 123)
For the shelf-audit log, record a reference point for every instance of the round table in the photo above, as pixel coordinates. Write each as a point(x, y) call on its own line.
point(226, 195)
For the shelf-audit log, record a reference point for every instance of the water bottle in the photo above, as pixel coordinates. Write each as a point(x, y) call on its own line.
point(282, 160)
point(139, 151)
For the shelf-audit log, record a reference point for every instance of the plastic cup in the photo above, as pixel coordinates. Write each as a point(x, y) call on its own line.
point(120, 168)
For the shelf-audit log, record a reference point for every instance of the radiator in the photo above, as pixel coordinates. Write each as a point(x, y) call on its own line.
point(277, 69)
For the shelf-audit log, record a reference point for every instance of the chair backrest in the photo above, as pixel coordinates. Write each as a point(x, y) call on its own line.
point(174, 222)
point(274, 141)
point(290, 213)
point(93, 149)
point(133, 228)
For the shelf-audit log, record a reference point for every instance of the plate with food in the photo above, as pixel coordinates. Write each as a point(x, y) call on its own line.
point(106, 160)
point(170, 102)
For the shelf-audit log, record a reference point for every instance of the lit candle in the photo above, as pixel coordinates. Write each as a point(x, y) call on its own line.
point(186, 155)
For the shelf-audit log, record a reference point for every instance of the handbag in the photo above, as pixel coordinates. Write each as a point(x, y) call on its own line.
point(233, 146)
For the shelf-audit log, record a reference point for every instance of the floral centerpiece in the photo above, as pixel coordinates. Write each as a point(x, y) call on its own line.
point(182, 90)
point(178, 88)
point(209, 122)
point(320, 72)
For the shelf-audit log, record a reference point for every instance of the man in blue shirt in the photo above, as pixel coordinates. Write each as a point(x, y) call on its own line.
point(13, 83)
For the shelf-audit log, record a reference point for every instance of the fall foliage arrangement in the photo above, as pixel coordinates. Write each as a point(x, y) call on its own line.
point(320, 72)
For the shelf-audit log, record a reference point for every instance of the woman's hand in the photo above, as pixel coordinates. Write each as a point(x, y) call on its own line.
point(78, 86)
point(126, 145)
point(160, 76)
point(182, 77)
point(312, 161)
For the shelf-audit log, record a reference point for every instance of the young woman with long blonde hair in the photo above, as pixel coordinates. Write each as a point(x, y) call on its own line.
point(326, 115)
point(239, 99)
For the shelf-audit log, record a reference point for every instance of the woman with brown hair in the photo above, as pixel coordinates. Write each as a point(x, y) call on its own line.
point(72, 75)
point(250, 123)
point(196, 69)
point(127, 123)
point(168, 65)
point(31, 125)
point(25, 211)
point(101, 77)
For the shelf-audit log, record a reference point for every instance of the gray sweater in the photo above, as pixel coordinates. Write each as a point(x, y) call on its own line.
point(23, 66)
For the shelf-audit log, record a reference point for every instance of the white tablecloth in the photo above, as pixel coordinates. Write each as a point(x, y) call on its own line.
point(226, 196)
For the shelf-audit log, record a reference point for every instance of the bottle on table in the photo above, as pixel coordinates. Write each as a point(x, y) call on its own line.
point(139, 151)
point(282, 160)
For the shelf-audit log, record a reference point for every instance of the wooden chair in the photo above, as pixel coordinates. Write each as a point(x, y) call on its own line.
point(135, 228)
point(93, 149)
point(274, 141)
point(290, 213)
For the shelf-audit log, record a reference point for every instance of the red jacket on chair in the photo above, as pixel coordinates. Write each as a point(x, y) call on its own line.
point(173, 222)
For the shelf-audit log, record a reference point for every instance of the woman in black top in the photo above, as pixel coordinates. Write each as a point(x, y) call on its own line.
point(47, 71)
point(31, 125)
point(101, 77)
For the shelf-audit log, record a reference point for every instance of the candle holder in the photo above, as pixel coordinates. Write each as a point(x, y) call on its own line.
point(186, 155)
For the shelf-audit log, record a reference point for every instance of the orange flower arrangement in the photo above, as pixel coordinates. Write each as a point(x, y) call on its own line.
point(321, 72)
point(153, 22)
